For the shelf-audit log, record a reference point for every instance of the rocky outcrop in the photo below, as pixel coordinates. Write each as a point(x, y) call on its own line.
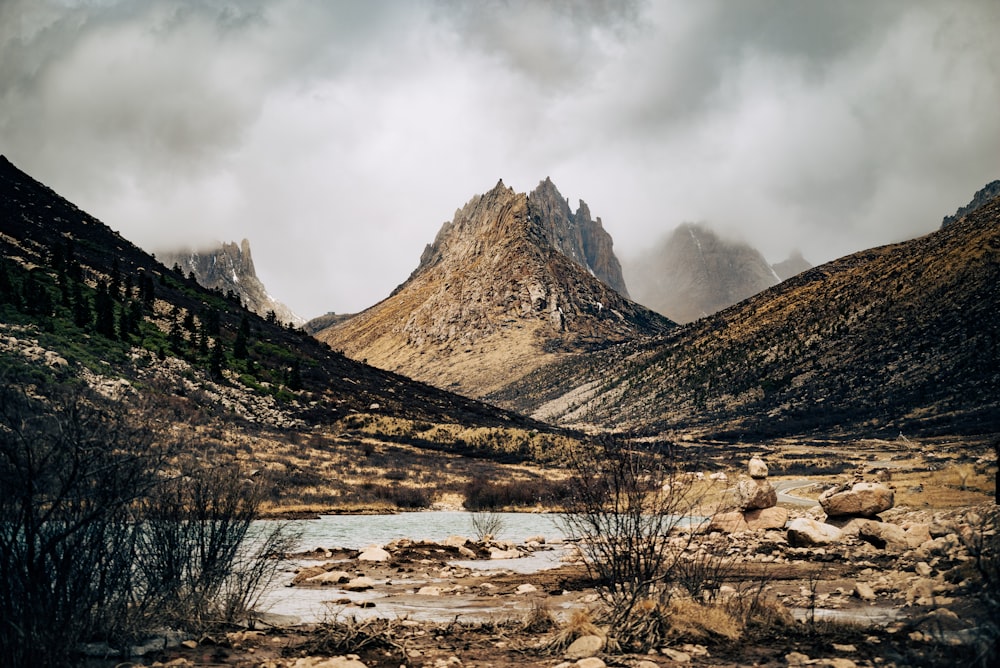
point(695, 273)
point(512, 282)
point(984, 196)
point(230, 268)
point(756, 500)
point(576, 235)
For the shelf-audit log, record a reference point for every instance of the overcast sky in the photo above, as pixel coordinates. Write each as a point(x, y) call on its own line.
point(339, 136)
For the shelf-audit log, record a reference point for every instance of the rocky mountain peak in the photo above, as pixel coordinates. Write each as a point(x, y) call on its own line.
point(506, 285)
point(576, 235)
point(230, 267)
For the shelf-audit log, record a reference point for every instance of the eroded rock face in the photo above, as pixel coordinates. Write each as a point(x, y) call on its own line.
point(863, 499)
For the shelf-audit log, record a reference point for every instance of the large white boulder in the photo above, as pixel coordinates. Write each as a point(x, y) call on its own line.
point(863, 499)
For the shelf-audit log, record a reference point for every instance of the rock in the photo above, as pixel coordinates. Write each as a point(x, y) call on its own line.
point(497, 553)
point(753, 494)
point(374, 554)
point(359, 584)
point(584, 646)
point(331, 662)
point(804, 532)
point(190, 644)
point(307, 573)
point(456, 541)
point(883, 535)
point(591, 662)
point(526, 588)
point(540, 539)
point(731, 522)
point(757, 468)
point(917, 534)
point(646, 664)
point(864, 591)
point(797, 659)
point(429, 591)
point(766, 518)
point(676, 655)
point(863, 499)
point(329, 577)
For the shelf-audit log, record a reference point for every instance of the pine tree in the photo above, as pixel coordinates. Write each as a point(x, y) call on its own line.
point(216, 361)
point(104, 312)
point(240, 349)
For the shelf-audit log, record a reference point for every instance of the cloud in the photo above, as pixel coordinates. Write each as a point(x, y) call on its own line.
point(339, 136)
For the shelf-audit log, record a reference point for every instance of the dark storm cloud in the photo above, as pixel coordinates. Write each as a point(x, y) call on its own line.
point(338, 136)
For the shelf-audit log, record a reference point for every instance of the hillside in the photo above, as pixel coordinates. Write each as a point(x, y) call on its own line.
point(81, 304)
point(693, 273)
point(902, 338)
point(508, 285)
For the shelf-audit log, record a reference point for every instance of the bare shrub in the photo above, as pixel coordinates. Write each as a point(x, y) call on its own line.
point(486, 524)
point(96, 545)
point(71, 468)
point(628, 506)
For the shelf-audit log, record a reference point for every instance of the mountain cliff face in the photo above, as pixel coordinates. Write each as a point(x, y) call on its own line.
point(506, 286)
point(984, 196)
point(694, 273)
point(230, 268)
point(902, 338)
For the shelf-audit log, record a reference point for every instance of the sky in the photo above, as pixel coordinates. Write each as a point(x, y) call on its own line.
point(338, 136)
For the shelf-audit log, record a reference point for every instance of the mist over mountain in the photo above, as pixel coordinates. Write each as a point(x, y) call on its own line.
point(694, 272)
point(513, 281)
point(230, 268)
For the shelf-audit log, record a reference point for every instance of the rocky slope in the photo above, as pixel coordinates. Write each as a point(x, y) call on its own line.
point(695, 273)
point(984, 196)
point(230, 268)
point(902, 338)
point(508, 285)
point(78, 301)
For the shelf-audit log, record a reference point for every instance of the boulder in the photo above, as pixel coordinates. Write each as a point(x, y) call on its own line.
point(863, 499)
point(766, 518)
point(374, 554)
point(731, 522)
point(883, 535)
point(864, 591)
point(804, 532)
point(329, 578)
point(584, 646)
point(757, 468)
point(754, 494)
point(307, 573)
point(359, 584)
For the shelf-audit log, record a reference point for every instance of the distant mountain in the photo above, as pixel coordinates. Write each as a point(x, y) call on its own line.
point(321, 322)
point(794, 265)
point(695, 273)
point(902, 338)
point(78, 301)
point(514, 281)
point(982, 197)
point(230, 268)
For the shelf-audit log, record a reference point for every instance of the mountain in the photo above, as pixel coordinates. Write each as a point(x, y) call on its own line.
point(694, 273)
point(901, 338)
point(229, 268)
point(794, 265)
point(512, 282)
point(984, 196)
point(80, 303)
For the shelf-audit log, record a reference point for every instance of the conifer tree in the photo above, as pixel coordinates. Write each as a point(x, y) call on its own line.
point(240, 349)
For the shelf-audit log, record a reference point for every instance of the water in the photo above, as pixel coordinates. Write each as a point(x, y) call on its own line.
point(360, 531)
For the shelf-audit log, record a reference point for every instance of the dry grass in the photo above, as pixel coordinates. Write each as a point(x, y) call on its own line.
point(691, 620)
